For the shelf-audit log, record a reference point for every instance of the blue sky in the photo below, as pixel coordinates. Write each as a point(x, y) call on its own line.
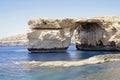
point(15, 14)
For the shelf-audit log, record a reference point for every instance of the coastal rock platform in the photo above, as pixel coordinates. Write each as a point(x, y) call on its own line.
point(92, 60)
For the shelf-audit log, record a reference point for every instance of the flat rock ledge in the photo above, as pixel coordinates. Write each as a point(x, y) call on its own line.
point(92, 60)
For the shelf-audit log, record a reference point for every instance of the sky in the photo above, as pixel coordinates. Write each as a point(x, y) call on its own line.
point(15, 14)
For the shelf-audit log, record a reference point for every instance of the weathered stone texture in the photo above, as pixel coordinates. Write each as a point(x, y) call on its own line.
point(50, 35)
point(97, 33)
point(51, 23)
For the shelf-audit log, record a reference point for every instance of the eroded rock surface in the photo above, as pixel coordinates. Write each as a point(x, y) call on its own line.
point(92, 60)
point(50, 35)
point(55, 35)
point(99, 33)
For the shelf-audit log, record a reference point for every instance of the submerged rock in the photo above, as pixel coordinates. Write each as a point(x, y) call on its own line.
point(92, 60)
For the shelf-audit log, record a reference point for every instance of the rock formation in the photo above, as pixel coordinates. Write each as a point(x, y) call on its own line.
point(54, 35)
point(50, 35)
point(92, 60)
point(99, 33)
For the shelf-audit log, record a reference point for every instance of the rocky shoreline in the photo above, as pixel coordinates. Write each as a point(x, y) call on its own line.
point(14, 40)
point(55, 35)
point(92, 60)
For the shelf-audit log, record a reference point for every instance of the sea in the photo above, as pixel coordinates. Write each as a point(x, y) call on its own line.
point(9, 55)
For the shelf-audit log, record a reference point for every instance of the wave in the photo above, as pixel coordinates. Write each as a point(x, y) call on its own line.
point(91, 60)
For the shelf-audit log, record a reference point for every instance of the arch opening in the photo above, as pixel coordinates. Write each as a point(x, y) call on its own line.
point(91, 36)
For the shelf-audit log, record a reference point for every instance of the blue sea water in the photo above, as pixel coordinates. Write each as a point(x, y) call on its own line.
point(10, 71)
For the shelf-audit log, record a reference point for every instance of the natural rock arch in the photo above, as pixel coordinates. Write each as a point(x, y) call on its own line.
point(54, 35)
point(96, 34)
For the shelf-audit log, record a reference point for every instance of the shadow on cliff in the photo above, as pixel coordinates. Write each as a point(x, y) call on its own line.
point(95, 36)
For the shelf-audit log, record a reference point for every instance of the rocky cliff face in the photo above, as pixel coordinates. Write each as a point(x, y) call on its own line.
point(97, 33)
point(50, 35)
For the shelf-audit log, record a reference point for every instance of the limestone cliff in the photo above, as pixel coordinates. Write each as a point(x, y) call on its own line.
point(99, 33)
point(42, 23)
point(50, 35)
point(54, 35)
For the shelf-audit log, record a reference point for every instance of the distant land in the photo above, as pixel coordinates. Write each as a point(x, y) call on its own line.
point(18, 40)
point(104, 28)
point(14, 40)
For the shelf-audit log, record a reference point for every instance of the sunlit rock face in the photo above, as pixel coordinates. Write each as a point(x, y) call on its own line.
point(99, 33)
point(50, 35)
point(55, 35)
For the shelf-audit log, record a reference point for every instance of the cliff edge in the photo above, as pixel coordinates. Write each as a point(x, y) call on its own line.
point(55, 35)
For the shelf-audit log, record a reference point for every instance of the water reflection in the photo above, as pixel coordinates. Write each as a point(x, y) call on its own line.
point(48, 56)
point(10, 71)
point(20, 53)
point(70, 54)
point(74, 55)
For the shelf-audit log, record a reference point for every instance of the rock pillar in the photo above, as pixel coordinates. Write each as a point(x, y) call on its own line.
point(50, 35)
point(99, 33)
